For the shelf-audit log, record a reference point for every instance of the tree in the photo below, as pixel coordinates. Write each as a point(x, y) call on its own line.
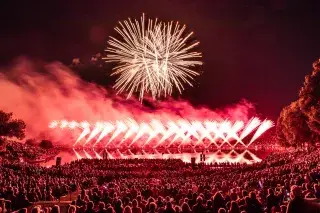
point(46, 144)
point(10, 127)
point(300, 121)
point(292, 127)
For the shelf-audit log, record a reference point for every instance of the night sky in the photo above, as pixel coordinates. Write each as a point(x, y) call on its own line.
point(258, 50)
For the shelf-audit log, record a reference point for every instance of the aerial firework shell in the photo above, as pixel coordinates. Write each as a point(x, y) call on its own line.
point(153, 57)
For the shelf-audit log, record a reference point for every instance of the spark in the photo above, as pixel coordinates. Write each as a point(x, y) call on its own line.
point(53, 124)
point(108, 128)
point(262, 128)
point(253, 124)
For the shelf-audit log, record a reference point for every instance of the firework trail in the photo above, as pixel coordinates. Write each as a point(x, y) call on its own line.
point(153, 57)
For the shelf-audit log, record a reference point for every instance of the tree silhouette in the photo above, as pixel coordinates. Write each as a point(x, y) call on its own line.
point(10, 127)
point(300, 121)
point(292, 127)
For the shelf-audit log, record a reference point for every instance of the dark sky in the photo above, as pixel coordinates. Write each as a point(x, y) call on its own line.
point(258, 50)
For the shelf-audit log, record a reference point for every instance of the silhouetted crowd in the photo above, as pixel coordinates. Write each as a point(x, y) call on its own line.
point(283, 182)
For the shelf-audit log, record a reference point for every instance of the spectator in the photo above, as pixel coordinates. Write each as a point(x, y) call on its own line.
point(218, 202)
point(222, 210)
point(127, 209)
point(36, 209)
point(272, 200)
point(135, 208)
point(298, 204)
point(55, 209)
point(169, 208)
point(198, 207)
point(90, 206)
point(152, 207)
point(234, 208)
point(110, 210)
point(118, 206)
point(71, 209)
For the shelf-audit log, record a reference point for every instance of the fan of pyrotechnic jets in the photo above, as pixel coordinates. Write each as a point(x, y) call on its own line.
point(157, 133)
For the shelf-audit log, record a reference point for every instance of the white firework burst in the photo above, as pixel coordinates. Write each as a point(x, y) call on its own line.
point(153, 57)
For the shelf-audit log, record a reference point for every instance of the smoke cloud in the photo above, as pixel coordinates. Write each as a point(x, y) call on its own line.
point(40, 93)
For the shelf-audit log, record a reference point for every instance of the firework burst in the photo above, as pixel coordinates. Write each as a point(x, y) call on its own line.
point(153, 57)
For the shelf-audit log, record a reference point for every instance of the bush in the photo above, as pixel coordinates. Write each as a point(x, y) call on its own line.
point(46, 144)
point(31, 142)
